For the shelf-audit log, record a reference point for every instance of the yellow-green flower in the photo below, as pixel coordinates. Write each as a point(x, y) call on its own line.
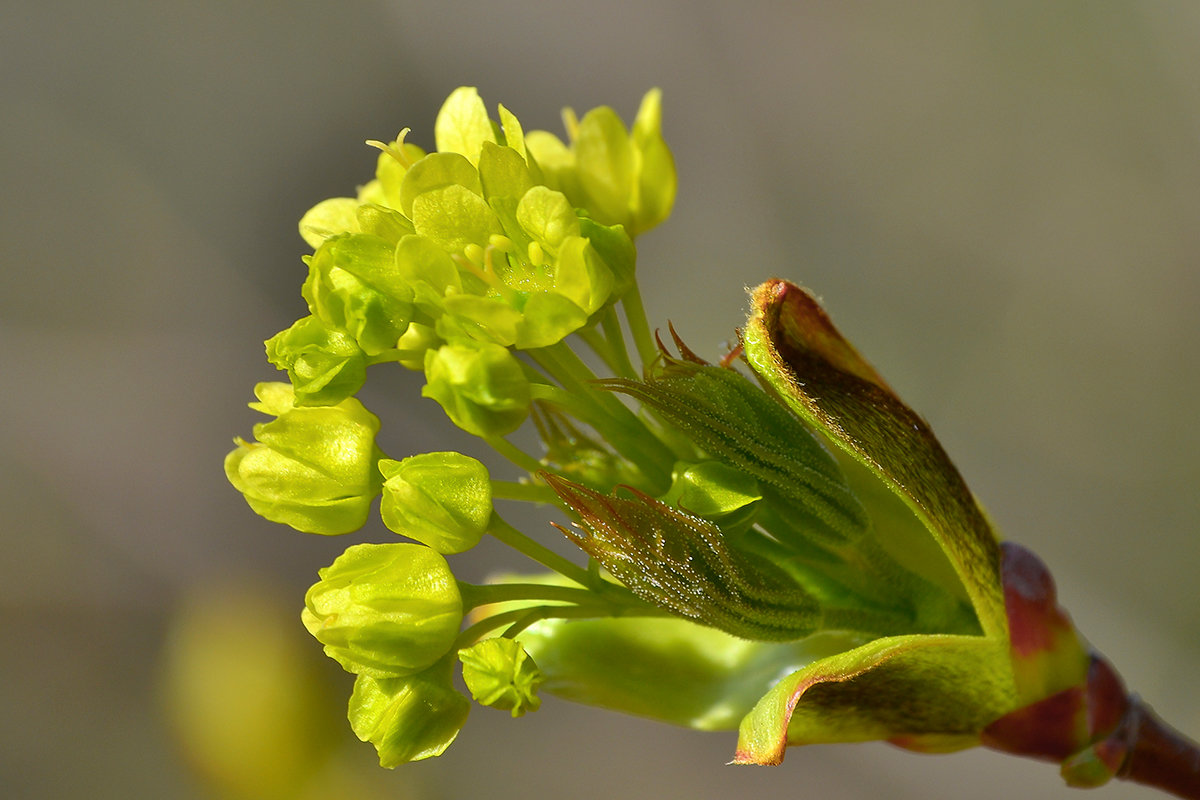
point(385, 610)
point(443, 500)
point(410, 718)
point(312, 467)
point(622, 177)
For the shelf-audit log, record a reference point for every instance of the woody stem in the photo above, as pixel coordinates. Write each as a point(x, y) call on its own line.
point(1162, 757)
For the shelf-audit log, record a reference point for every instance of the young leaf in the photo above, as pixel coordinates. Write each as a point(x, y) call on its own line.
point(683, 564)
point(792, 345)
point(889, 688)
point(733, 420)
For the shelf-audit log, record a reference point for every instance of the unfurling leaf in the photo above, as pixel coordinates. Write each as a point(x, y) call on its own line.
point(733, 420)
point(792, 345)
point(682, 563)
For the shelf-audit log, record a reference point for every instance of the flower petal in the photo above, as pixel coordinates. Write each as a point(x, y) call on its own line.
point(462, 126)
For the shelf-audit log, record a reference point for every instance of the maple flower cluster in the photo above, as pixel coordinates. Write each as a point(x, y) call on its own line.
point(773, 543)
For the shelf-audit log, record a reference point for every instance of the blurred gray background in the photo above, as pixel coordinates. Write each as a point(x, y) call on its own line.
point(998, 202)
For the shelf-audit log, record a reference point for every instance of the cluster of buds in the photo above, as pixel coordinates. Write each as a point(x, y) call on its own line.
point(778, 513)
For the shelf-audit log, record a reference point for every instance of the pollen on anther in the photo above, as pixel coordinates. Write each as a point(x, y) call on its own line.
point(537, 256)
point(474, 254)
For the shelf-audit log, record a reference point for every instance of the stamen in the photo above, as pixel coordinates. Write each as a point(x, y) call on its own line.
point(474, 254)
point(395, 149)
point(473, 268)
point(537, 256)
point(501, 242)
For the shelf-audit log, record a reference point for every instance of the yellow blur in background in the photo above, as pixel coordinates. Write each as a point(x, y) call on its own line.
point(256, 712)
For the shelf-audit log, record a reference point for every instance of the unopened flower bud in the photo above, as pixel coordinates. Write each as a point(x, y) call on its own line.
point(312, 467)
point(385, 610)
point(500, 674)
point(481, 386)
point(409, 718)
point(353, 284)
point(325, 364)
point(443, 500)
point(415, 343)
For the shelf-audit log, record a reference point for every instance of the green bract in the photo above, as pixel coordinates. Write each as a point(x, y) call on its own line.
point(312, 467)
point(712, 489)
point(686, 565)
point(500, 674)
point(443, 500)
point(732, 419)
point(668, 669)
point(717, 492)
point(385, 610)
